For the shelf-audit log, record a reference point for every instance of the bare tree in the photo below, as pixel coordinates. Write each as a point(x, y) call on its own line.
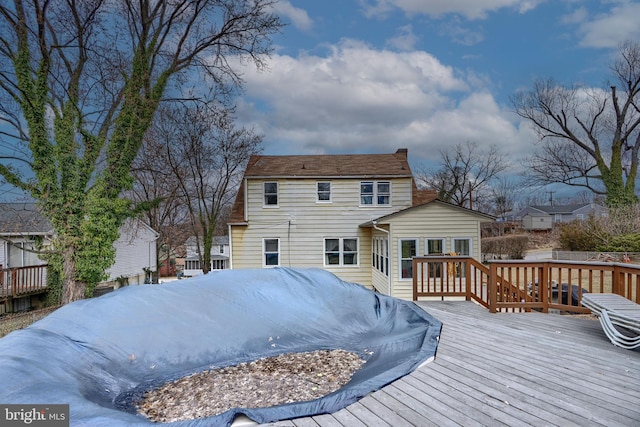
point(157, 193)
point(588, 137)
point(465, 174)
point(80, 82)
point(504, 194)
point(208, 152)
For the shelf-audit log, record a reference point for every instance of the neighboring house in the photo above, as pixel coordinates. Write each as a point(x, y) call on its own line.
point(219, 255)
point(22, 225)
point(135, 254)
point(359, 216)
point(544, 217)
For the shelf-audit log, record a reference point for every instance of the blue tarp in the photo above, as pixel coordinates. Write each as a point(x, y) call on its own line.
point(94, 354)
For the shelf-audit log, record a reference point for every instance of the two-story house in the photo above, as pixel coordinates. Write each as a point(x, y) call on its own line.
point(359, 216)
point(219, 255)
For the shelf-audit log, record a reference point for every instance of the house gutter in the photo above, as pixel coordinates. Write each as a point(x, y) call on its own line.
point(375, 226)
point(230, 247)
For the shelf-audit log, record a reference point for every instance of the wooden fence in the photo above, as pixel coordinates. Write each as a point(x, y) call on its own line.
point(523, 285)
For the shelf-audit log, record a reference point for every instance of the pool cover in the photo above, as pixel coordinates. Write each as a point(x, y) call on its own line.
point(93, 354)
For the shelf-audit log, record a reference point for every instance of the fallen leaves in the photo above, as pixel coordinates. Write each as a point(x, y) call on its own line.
point(286, 378)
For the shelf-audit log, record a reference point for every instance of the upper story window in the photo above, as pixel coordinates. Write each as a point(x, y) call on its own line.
point(375, 193)
point(271, 194)
point(323, 192)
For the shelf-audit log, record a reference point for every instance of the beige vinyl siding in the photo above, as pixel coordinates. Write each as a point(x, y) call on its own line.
point(301, 224)
point(434, 220)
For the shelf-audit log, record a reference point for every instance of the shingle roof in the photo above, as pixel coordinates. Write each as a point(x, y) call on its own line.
point(565, 209)
point(23, 218)
point(330, 165)
point(422, 196)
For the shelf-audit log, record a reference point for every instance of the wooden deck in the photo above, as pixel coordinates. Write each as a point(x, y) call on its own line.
point(511, 369)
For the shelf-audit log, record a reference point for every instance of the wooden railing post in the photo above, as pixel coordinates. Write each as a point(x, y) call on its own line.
point(468, 280)
point(544, 286)
point(617, 282)
point(14, 283)
point(415, 278)
point(492, 288)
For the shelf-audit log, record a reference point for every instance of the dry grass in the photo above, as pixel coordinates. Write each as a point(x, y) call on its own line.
point(13, 322)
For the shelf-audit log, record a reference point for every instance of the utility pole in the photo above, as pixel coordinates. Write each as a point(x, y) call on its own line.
point(551, 197)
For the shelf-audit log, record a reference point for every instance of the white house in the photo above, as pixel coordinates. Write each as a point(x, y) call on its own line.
point(22, 225)
point(359, 216)
point(135, 253)
point(219, 255)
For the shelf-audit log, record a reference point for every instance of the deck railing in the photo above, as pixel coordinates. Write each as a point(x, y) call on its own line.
point(522, 285)
point(21, 281)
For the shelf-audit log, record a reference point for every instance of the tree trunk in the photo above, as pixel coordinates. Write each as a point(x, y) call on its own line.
point(206, 252)
point(72, 290)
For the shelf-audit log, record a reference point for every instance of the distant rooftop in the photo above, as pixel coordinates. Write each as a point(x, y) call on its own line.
point(23, 218)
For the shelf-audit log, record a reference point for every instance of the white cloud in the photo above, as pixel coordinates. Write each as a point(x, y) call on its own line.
point(471, 9)
point(460, 33)
point(609, 29)
point(578, 16)
point(298, 17)
point(358, 99)
point(404, 40)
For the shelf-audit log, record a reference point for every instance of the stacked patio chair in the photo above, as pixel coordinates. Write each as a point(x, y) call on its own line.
point(619, 318)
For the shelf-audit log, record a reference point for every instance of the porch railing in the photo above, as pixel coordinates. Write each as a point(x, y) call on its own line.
point(21, 281)
point(522, 285)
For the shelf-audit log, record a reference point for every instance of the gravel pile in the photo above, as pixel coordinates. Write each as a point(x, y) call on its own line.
point(287, 378)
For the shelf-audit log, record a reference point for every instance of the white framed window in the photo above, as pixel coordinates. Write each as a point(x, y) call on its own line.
point(341, 251)
point(22, 254)
point(434, 246)
point(380, 255)
point(408, 249)
point(462, 246)
point(323, 192)
point(580, 217)
point(270, 194)
point(558, 218)
point(192, 264)
point(270, 252)
point(375, 193)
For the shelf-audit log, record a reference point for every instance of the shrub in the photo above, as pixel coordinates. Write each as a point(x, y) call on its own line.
point(513, 246)
point(622, 243)
point(584, 235)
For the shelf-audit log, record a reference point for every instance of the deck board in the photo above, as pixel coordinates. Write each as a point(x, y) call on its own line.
point(506, 369)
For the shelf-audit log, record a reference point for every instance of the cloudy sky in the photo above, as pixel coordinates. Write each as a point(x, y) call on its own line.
point(371, 76)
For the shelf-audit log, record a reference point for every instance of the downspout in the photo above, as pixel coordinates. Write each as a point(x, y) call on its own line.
point(230, 248)
point(375, 226)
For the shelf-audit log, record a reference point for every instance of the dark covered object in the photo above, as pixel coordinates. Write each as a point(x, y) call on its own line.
point(575, 293)
point(92, 353)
